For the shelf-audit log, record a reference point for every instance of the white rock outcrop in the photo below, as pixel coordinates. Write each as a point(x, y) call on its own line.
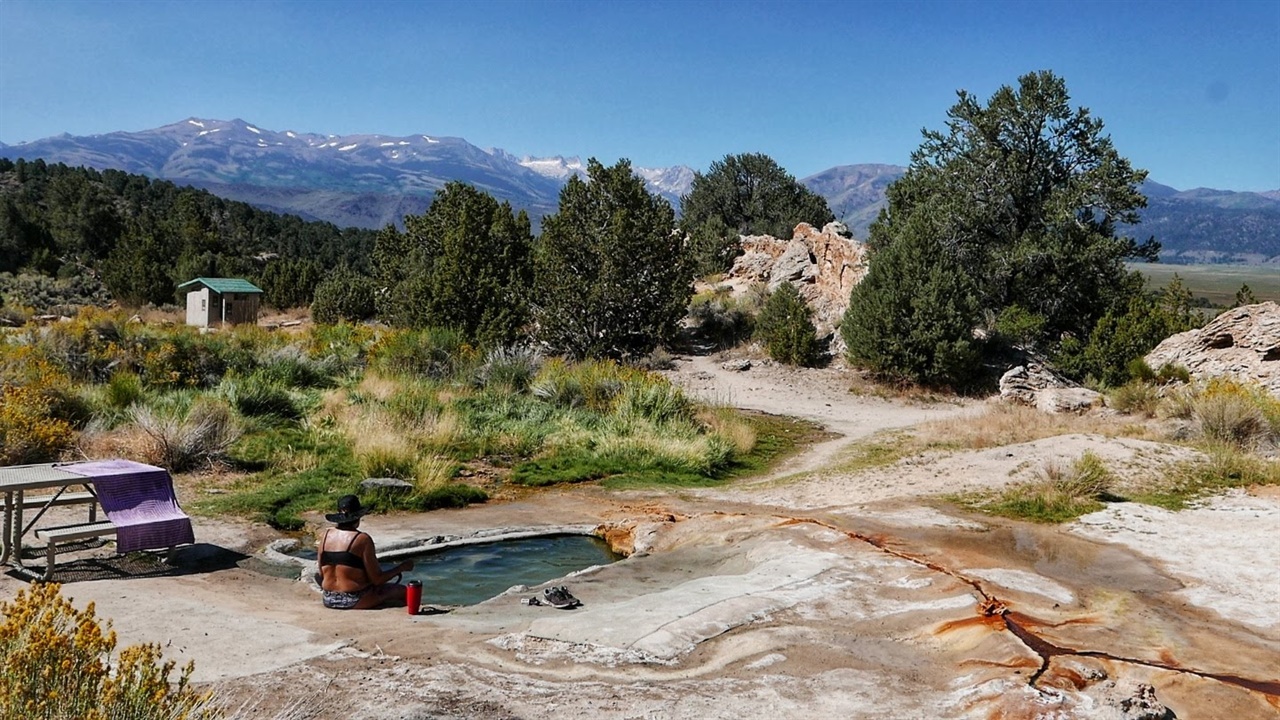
point(1036, 385)
point(1242, 344)
point(824, 265)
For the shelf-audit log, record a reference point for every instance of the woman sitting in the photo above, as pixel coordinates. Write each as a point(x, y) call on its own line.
point(350, 575)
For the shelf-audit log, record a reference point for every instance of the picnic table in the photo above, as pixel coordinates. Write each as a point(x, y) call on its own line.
point(138, 500)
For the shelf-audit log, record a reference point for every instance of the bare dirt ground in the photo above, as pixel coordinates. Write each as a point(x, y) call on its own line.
point(813, 592)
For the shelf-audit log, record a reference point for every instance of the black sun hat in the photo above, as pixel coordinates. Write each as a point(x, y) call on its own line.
point(349, 510)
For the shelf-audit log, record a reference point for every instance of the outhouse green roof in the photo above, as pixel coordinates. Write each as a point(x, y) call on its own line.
point(225, 285)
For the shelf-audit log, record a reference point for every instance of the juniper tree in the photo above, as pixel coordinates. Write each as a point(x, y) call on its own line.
point(786, 327)
point(611, 277)
point(747, 194)
point(1020, 200)
point(464, 265)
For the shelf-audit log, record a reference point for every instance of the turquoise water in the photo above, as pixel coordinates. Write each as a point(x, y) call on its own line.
point(474, 573)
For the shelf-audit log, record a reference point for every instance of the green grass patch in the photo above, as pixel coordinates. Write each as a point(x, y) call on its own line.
point(1223, 468)
point(1063, 493)
point(612, 472)
point(634, 466)
point(778, 437)
point(302, 470)
point(450, 495)
point(880, 450)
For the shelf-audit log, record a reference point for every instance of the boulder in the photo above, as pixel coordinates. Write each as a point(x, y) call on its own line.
point(1036, 385)
point(386, 485)
point(824, 265)
point(1242, 344)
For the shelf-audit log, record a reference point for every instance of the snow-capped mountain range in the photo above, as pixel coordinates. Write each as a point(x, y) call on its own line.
point(373, 180)
point(366, 180)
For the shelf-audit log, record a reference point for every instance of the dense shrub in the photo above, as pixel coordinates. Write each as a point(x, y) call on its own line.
point(1113, 353)
point(1136, 397)
point(56, 662)
point(29, 431)
point(509, 369)
point(186, 358)
point(344, 295)
point(786, 327)
point(49, 295)
point(183, 440)
point(1230, 417)
point(720, 320)
point(343, 346)
point(39, 409)
point(430, 352)
point(123, 389)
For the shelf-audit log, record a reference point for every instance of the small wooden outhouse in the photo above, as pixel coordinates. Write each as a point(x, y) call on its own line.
point(221, 301)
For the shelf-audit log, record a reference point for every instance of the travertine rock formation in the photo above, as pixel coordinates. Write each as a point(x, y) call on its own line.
point(1036, 385)
point(1242, 343)
point(823, 264)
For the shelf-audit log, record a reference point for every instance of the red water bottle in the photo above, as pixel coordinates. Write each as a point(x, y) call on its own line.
point(413, 596)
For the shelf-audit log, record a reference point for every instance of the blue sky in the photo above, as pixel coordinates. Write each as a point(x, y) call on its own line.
point(1189, 91)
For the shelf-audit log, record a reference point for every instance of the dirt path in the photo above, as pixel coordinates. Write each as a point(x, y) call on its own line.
point(821, 395)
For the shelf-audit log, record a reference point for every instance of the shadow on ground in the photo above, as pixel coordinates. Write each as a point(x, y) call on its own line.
point(187, 560)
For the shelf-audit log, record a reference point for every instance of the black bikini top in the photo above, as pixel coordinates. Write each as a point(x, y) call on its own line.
point(341, 557)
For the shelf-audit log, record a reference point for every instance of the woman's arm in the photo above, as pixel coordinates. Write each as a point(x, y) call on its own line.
point(373, 569)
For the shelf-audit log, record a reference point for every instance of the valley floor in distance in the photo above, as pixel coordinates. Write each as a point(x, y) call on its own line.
point(1216, 283)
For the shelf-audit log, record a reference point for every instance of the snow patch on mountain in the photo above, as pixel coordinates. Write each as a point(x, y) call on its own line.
point(671, 182)
point(556, 167)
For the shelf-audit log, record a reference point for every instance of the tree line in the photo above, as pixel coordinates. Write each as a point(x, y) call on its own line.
point(1003, 238)
point(140, 238)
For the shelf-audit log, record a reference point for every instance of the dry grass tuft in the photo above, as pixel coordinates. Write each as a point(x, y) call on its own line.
point(1009, 424)
point(730, 425)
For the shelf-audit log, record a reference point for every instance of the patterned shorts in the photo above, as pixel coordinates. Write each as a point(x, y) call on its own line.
point(342, 600)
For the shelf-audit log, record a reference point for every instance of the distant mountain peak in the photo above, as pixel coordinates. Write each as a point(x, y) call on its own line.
point(371, 180)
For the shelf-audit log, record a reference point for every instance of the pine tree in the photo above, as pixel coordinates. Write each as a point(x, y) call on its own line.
point(1245, 296)
point(1016, 204)
point(747, 194)
point(611, 277)
point(464, 265)
point(786, 326)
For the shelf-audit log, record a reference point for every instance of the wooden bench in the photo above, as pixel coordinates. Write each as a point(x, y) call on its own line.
point(66, 498)
point(70, 533)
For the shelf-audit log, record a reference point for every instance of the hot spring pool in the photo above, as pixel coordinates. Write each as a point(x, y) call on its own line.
point(469, 574)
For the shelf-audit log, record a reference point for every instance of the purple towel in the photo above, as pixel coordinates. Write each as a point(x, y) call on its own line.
point(139, 500)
